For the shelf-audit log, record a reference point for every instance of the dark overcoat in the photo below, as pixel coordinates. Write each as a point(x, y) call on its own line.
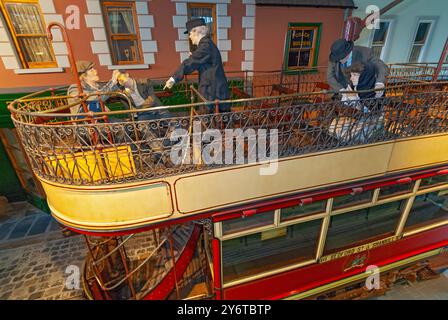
point(206, 59)
point(336, 78)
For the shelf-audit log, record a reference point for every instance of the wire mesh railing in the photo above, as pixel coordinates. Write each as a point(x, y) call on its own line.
point(86, 152)
point(114, 270)
point(94, 148)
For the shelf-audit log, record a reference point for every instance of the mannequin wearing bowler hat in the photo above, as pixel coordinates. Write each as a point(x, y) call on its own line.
point(206, 59)
point(343, 54)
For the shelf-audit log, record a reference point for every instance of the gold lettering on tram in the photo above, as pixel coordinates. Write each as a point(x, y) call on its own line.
point(358, 249)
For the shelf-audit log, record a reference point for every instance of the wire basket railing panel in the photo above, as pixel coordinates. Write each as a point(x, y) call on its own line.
point(126, 150)
point(116, 147)
point(132, 267)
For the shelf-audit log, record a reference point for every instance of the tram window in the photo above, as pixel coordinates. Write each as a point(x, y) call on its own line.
point(395, 190)
point(250, 255)
point(242, 224)
point(434, 181)
point(303, 210)
point(351, 200)
point(428, 209)
point(354, 228)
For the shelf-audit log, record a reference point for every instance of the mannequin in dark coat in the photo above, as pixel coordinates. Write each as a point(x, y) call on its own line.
point(343, 52)
point(206, 59)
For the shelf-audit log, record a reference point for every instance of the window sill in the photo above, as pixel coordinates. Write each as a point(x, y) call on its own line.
point(129, 66)
point(38, 70)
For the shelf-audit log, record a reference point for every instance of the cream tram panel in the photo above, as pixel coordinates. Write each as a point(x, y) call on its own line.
point(419, 152)
point(225, 187)
point(113, 207)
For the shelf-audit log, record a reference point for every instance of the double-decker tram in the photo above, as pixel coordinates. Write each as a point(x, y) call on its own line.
point(293, 194)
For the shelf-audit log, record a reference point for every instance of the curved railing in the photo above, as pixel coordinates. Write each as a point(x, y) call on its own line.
point(111, 147)
point(111, 271)
point(89, 151)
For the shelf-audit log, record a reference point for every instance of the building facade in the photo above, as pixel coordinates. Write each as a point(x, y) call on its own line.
point(413, 31)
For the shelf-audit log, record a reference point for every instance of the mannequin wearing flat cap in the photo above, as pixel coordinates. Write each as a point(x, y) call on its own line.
point(206, 59)
point(343, 54)
point(89, 79)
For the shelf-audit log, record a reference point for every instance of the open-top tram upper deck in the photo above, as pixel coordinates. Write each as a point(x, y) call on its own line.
point(107, 172)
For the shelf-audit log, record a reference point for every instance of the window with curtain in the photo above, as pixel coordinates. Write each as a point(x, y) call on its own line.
point(28, 31)
point(302, 45)
point(379, 39)
point(420, 41)
point(208, 13)
point(124, 39)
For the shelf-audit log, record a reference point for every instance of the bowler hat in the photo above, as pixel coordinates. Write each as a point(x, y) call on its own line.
point(340, 49)
point(83, 66)
point(190, 25)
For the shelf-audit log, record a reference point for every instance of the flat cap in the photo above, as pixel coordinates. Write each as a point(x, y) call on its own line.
point(83, 66)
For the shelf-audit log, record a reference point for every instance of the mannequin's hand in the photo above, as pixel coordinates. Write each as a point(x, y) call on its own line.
point(169, 83)
point(115, 75)
point(379, 85)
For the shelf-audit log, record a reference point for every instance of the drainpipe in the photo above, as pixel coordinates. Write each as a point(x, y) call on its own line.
point(441, 61)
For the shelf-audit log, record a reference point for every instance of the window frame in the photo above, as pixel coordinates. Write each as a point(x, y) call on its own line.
point(317, 217)
point(424, 47)
point(385, 49)
point(316, 46)
point(326, 216)
point(191, 5)
point(105, 4)
point(10, 26)
point(378, 203)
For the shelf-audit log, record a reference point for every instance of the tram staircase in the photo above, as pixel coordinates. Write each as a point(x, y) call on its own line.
point(164, 279)
point(156, 279)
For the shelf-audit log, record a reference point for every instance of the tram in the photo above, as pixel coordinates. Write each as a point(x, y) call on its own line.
point(345, 192)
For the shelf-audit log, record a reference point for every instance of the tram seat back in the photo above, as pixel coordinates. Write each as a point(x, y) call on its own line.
point(93, 166)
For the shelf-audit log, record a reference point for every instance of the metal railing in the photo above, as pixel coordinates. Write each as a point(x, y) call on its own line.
point(405, 72)
point(106, 252)
point(86, 153)
point(90, 148)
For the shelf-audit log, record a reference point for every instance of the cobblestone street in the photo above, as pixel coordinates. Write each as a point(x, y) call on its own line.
point(34, 256)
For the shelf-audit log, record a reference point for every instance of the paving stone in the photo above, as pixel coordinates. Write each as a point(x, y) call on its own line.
point(41, 225)
point(55, 226)
point(5, 295)
point(5, 229)
point(33, 212)
point(21, 229)
point(36, 295)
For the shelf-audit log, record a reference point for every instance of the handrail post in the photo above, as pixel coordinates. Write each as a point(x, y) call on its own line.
point(95, 270)
point(441, 61)
point(173, 258)
point(126, 269)
point(217, 266)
